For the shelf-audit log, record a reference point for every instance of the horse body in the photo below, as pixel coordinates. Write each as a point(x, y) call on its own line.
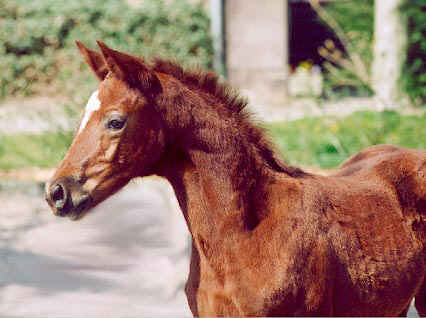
point(268, 239)
point(359, 255)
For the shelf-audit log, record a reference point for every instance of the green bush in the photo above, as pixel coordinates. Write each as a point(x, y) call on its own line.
point(413, 77)
point(37, 39)
point(356, 21)
point(356, 18)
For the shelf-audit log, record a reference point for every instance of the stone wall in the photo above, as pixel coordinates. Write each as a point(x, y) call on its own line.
point(256, 49)
point(389, 51)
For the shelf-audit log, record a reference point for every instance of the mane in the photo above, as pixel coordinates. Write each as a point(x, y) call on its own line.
point(205, 81)
point(209, 83)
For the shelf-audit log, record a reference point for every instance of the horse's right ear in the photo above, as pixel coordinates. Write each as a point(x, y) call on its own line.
point(95, 61)
point(131, 69)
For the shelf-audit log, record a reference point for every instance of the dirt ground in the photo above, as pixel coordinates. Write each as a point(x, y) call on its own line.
point(129, 258)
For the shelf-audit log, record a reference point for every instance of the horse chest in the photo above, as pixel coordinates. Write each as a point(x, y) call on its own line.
point(214, 299)
point(243, 298)
point(238, 293)
point(212, 293)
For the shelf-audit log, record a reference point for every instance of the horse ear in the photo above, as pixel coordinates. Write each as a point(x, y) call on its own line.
point(95, 61)
point(130, 69)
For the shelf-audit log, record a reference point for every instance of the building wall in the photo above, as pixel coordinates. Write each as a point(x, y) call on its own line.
point(256, 49)
point(389, 52)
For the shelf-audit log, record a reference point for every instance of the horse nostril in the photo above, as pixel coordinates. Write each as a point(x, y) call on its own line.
point(67, 198)
point(58, 196)
point(58, 193)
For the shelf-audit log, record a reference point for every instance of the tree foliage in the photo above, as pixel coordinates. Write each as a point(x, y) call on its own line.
point(413, 77)
point(37, 50)
point(348, 72)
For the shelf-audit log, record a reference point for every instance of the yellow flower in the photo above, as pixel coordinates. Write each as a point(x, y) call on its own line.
point(306, 65)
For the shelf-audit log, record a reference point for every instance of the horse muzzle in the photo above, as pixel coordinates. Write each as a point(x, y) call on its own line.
point(67, 198)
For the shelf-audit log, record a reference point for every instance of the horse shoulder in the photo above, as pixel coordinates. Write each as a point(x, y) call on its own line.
point(300, 273)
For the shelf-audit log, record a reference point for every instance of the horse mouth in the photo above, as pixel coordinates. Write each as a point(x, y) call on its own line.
point(80, 211)
point(76, 216)
point(79, 208)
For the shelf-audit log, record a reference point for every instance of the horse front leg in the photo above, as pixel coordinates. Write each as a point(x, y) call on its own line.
point(404, 312)
point(420, 302)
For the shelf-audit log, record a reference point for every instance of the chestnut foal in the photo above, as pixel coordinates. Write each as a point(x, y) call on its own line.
point(268, 239)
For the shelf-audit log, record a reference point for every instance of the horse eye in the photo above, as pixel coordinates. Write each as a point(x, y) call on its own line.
point(116, 123)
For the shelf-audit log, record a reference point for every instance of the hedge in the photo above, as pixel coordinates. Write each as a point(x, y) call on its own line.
point(356, 20)
point(37, 47)
point(413, 77)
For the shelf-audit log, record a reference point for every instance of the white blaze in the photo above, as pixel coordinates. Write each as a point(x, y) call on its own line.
point(92, 105)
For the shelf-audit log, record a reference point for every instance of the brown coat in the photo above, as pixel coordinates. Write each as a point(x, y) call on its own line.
point(268, 239)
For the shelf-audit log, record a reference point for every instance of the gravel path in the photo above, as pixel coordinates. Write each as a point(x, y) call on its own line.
point(34, 115)
point(129, 258)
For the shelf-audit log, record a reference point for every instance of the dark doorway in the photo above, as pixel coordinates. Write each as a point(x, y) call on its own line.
point(307, 34)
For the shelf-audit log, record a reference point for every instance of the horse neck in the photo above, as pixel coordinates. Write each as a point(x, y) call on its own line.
point(215, 171)
point(218, 216)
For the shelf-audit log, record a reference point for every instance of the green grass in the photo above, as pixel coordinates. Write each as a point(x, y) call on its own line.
point(26, 150)
point(324, 142)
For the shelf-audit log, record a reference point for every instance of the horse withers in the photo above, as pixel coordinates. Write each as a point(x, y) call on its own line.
point(267, 239)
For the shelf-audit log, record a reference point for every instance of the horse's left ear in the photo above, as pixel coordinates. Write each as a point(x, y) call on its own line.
point(130, 69)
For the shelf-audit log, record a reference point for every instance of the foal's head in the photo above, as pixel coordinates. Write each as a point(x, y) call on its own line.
point(120, 124)
point(145, 120)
